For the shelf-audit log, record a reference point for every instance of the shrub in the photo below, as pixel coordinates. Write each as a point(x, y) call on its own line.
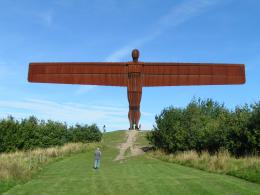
point(32, 133)
point(86, 133)
point(206, 125)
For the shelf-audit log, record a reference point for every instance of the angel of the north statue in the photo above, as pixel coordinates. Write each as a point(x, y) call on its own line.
point(135, 75)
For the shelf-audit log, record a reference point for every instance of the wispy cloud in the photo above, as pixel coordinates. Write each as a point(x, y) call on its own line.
point(46, 18)
point(176, 16)
point(184, 12)
point(6, 70)
point(3, 69)
point(64, 3)
point(69, 112)
point(84, 89)
point(112, 117)
point(124, 51)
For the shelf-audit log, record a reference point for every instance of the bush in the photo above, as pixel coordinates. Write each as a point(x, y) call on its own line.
point(32, 133)
point(86, 133)
point(206, 125)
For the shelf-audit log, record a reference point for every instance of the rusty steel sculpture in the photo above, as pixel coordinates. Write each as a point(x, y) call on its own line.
point(135, 75)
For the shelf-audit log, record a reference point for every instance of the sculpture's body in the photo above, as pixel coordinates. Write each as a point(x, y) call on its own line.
point(135, 75)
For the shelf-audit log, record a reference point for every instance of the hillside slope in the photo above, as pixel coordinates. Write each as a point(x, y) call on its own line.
point(129, 175)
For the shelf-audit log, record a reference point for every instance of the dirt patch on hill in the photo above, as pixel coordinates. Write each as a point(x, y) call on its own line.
point(129, 145)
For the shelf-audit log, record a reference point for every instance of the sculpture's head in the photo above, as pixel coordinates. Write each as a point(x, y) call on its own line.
point(135, 55)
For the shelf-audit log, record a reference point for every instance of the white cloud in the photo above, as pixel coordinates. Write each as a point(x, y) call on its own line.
point(184, 12)
point(3, 70)
point(113, 117)
point(84, 89)
point(176, 16)
point(7, 71)
point(64, 3)
point(3, 67)
point(126, 50)
point(69, 112)
point(46, 18)
point(147, 114)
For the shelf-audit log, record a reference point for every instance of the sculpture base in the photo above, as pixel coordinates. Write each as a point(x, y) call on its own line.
point(133, 129)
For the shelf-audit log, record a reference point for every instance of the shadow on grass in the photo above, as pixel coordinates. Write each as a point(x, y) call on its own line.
point(147, 148)
point(6, 185)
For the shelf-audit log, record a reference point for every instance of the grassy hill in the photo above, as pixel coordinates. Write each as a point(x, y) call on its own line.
point(133, 175)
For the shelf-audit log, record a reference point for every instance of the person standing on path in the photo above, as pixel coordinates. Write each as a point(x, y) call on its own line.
point(97, 156)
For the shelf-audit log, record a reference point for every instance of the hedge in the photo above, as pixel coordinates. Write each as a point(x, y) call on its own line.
point(33, 133)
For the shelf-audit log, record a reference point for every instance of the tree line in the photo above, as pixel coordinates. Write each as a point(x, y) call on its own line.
point(32, 133)
point(206, 125)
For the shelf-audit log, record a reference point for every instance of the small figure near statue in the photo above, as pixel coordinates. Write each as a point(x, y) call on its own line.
point(104, 129)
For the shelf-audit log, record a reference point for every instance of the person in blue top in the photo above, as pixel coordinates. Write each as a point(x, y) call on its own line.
point(97, 156)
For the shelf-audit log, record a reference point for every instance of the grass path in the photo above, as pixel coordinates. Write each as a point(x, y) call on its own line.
point(134, 175)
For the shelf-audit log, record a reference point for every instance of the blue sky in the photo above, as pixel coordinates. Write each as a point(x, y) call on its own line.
point(217, 31)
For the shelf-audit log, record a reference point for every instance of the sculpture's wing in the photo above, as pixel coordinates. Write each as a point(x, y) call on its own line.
point(88, 73)
point(176, 74)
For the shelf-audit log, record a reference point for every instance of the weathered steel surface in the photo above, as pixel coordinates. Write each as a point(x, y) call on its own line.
point(135, 75)
point(174, 74)
point(85, 73)
point(134, 92)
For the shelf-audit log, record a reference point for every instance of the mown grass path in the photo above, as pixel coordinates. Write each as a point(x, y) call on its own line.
point(135, 175)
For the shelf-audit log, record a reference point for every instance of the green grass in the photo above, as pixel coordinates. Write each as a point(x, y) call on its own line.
point(248, 173)
point(245, 167)
point(4, 186)
point(18, 167)
point(141, 139)
point(135, 175)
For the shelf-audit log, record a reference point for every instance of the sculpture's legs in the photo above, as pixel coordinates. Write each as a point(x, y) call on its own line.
point(134, 114)
point(134, 93)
